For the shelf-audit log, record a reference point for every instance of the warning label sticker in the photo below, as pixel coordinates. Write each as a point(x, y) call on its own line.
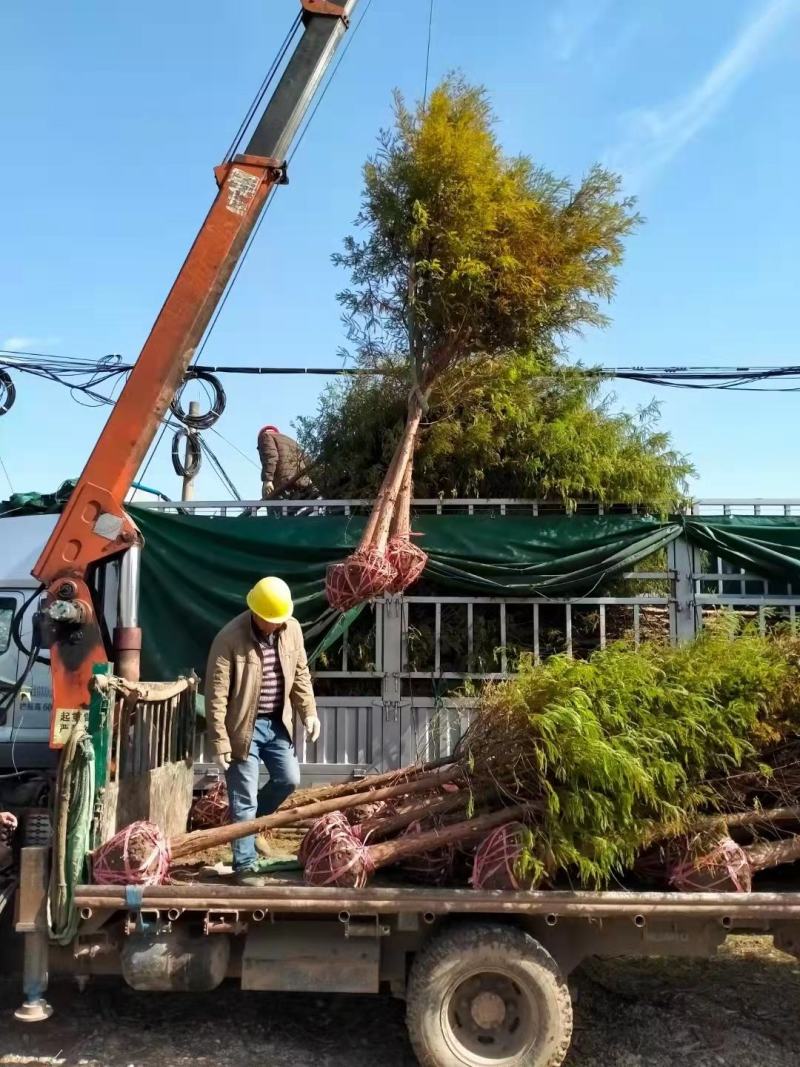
point(64, 720)
point(241, 190)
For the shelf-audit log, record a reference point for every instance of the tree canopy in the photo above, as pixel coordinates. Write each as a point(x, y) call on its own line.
point(469, 270)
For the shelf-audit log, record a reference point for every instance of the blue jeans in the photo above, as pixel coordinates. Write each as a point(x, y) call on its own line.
point(272, 744)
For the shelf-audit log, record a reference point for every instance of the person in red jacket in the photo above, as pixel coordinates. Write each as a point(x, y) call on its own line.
point(283, 466)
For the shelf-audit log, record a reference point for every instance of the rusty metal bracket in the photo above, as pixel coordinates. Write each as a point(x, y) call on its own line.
point(223, 922)
point(369, 926)
point(324, 7)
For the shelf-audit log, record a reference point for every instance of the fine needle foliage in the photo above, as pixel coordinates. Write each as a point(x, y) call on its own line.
point(624, 746)
point(468, 270)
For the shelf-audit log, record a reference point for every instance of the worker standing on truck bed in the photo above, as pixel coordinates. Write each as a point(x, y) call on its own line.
point(283, 466)
point(257, 677)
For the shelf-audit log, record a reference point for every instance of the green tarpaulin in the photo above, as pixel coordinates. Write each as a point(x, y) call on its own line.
point(196, 571)
point(766, 545)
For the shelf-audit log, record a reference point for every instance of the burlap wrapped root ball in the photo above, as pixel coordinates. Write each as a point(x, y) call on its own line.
point(332, 855)
point(498, 859)
point(137, 855)
point(361, 577)
point(721, 867)
point(211, 809)
point(408, 561)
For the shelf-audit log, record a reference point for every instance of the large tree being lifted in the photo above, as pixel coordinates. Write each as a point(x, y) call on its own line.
point(470, 256)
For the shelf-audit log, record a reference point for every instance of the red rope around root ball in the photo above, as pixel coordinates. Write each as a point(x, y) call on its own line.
point(319, 832)
point(335, 856)
point(497, 858)
point(137, 855)
point(723, 869)
point(211, 809)
point(408, 560)
point(360, 577)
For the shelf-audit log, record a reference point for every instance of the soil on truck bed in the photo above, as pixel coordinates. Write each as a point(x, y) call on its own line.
point(740, 1009)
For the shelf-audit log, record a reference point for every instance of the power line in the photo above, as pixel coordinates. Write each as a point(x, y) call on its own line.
point(8, 476)
point(428, 54)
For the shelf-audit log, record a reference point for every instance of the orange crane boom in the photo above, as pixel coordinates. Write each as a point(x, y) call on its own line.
point(94, 525)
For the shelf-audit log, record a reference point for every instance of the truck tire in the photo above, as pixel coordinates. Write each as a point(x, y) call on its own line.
point(488, 995)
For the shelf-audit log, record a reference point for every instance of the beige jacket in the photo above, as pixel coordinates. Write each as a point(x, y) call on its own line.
point(233, 684)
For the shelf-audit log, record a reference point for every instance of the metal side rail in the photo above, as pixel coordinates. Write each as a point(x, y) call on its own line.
point(729, 908)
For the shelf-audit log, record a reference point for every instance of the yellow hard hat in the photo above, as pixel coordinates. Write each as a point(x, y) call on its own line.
point(271, 600)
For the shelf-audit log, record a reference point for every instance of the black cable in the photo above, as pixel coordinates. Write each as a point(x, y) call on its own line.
point(8, 392)
point(351, 36)
point(428, 55)
point(33, 656)
point(262, 89)
point(188, 467)
point(206, 420)
point(222, 474)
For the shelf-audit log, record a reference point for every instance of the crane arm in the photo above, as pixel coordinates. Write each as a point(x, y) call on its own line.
point(94, 524)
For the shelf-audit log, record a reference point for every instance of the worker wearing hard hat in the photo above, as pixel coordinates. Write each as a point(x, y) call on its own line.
point(283, 466)
point(257, 679)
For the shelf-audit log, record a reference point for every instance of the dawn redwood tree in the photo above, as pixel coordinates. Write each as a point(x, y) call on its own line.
point(468, 260)
point(469, 270)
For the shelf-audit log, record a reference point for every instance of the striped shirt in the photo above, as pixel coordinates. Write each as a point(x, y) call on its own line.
point(271, 697)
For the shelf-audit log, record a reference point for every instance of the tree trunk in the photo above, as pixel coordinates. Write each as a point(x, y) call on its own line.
point(372, 781)
point(186, 844)
point(401, 520)
point(380, 826)
point(376, 532)
point(773, 853)
point(390, 852)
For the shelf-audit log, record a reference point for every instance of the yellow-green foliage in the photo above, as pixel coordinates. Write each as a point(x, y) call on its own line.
point(628, 740)
point(467, 270)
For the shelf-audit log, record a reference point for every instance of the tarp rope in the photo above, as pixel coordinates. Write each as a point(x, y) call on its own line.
point(74, 809)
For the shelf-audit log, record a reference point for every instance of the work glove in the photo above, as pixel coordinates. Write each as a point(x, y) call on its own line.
point(222, 759)
point(312, 728)
point(267, 489)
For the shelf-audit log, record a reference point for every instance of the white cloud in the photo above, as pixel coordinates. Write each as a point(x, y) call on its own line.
point(655, 135)
point(572, 23)
point(27, 344)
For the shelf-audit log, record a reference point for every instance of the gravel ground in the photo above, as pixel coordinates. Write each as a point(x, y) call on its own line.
point(740, 1009)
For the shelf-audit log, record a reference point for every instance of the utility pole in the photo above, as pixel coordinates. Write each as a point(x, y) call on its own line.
point(191, 456)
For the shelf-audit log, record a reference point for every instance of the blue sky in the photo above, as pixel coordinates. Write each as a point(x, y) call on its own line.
point(112, 117)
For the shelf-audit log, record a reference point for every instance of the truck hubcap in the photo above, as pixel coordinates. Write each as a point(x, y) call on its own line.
point(489, 1018)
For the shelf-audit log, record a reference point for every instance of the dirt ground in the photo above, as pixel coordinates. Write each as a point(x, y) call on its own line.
point(738, 1010)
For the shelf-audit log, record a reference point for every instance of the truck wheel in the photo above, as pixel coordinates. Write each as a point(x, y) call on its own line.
point(488, 995)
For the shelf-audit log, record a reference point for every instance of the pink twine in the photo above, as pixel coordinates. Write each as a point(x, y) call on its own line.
point(724, 866)
point(496, 858)
point(336, 857)
point(408, 561)
point(319, 832)
point(211, 809)
point(112, 863)
point(360, 577)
